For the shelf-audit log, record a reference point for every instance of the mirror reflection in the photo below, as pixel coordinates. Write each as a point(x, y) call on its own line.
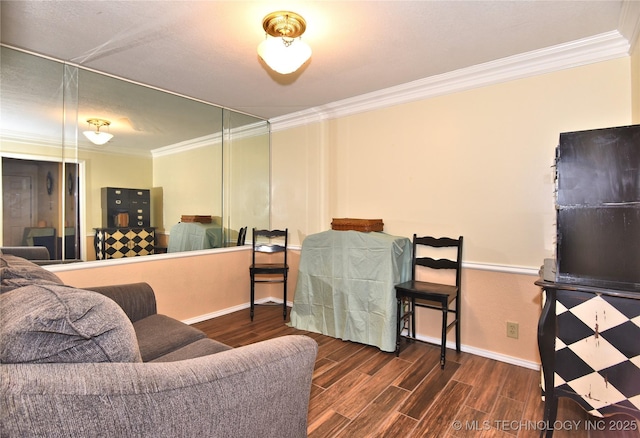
point(204, 169)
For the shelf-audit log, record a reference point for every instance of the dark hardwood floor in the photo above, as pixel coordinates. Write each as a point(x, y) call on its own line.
point(360, 391)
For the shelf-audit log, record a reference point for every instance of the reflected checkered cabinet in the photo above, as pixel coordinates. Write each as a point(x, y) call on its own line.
point(115, 243)
point(126, 230)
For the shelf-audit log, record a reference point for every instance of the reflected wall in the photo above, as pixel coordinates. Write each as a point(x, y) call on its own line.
point(195, 157)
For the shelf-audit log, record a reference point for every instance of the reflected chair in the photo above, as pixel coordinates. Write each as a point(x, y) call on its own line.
point(48, 242)
point(273, 244)
point(414, 293)
point(242, 234)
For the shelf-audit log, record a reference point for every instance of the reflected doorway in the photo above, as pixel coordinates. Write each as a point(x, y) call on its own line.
point(39, 206)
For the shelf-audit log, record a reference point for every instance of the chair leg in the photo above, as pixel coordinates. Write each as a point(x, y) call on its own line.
point(413, 318)
point(398, 326)
point(443, 347)
point(457, 315)
point(284, 303)
point(252, 295)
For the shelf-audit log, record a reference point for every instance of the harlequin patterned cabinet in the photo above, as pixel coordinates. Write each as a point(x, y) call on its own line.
point(114, 243)
point(589, 330)
point(589, 340)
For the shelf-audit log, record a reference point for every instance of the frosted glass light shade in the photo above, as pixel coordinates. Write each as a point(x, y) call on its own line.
point(97, 137)
point(281, 58)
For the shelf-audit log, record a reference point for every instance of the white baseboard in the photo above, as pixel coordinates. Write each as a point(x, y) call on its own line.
point(451, 345)
point(484, 353)
point(232, 309)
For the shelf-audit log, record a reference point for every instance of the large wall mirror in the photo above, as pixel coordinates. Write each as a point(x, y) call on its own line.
point(194, 158)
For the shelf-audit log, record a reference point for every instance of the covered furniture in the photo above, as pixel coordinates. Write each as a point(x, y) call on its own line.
point(102, 362)
point(192, 236)
point(269, 243)
point(346, 285)
point(419, 293)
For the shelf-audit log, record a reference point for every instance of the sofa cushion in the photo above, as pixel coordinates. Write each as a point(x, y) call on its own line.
point(17, 272)
point(160, 334)
point(57, 323)
point(202, 347)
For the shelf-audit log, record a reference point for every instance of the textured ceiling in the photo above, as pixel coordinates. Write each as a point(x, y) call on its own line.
point(207, 49)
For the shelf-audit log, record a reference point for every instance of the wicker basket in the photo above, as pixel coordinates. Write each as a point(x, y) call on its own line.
point(192, 218)
point(366, 225)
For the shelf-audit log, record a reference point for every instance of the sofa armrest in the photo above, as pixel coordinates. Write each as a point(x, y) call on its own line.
point(257, 390)
point(40, 253)
point(136, 299)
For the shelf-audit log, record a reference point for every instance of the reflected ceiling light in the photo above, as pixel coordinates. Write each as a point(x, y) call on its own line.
point(283, 50)
point(97, 137)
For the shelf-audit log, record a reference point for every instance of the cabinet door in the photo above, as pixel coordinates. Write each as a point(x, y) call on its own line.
point(597, 350)
point(141, 241)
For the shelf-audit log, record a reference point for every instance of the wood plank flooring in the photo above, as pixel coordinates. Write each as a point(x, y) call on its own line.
point(360, 391)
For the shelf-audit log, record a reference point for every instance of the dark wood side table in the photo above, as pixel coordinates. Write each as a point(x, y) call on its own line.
point(589, 341)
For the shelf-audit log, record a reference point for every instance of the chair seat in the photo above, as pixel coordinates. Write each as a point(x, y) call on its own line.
point(427, 290)
point(269, 266)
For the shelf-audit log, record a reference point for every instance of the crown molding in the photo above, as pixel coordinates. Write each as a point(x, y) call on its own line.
point(247, 131)
point(30, 139)
point(183, 146)
point(629, 24)
point(603, 47)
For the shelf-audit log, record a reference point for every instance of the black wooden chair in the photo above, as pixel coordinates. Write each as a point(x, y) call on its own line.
point(269, 242)
point(242, 234)
point(414, 293)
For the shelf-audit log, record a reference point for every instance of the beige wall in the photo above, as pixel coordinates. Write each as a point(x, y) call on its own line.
point(109, 170)
point(475, 163)
point(112, 170)
point(498, 141)
point(635, 80)
point(191, 286)
point(191, 183)
point(247, 186)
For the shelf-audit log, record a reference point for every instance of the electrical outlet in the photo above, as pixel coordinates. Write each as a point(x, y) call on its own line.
point(512, 330)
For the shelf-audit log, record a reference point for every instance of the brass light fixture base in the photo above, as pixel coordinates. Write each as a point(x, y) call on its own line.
point(98, 123)
point(284, 24)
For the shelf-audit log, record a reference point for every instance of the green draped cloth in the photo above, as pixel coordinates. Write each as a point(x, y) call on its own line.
point(345, 285)
point(193, 236)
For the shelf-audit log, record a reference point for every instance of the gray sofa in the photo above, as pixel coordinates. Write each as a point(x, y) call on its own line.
point(102, 362)
point(36, 254)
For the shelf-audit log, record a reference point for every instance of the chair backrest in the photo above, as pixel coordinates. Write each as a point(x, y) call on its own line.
point(442, 263)
point(270, 241)
point(242, 234)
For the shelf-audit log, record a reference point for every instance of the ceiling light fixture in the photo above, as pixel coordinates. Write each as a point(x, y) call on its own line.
point(283, 50)
point(97, 137)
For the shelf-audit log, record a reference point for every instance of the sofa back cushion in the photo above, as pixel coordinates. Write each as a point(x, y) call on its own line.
point(56, 323)
point(17, 272)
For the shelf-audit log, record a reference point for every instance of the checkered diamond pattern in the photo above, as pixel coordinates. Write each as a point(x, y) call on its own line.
point(124, 242)
point(598, 350)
